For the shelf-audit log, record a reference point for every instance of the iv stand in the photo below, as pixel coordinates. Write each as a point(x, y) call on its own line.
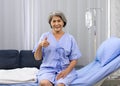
point(93, 26)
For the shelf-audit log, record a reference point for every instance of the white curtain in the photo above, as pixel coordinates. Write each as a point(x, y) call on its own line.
point(115, 17)
point(11, 24)
point(23, 21)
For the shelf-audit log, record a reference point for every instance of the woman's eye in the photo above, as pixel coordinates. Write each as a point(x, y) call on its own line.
point(59, 21)
point(53, 21)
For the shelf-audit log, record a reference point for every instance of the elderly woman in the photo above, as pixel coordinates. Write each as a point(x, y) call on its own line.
point(59, 53)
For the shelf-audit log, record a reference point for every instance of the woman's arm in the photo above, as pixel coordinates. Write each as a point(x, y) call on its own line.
point(38, 52)
point(71, 65)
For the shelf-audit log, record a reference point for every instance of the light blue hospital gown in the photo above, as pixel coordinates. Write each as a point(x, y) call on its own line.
point(57, 57)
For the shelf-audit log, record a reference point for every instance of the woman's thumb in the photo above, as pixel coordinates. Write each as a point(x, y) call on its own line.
point(45, 38)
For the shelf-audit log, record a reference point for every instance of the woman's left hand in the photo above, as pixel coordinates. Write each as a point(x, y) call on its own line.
point(62, 74)
point(65, 72)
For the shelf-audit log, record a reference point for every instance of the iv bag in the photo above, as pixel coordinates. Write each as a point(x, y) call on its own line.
point(88, 19)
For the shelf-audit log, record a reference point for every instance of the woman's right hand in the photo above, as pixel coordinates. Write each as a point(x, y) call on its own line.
point(38, 52)
point(44, 43)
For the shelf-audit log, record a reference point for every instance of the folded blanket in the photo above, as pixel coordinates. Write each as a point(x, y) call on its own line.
point(18, 75)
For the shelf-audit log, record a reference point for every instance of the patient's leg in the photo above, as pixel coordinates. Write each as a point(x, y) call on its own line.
point(46, 83)
point(61, 84)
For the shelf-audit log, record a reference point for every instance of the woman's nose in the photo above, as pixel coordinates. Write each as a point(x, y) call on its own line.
point(56, 23)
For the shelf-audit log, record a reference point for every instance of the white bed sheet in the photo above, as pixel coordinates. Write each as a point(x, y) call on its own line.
point(18, 75)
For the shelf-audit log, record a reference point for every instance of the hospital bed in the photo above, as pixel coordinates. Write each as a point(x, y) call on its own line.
point(93, 73)
point(107, 61)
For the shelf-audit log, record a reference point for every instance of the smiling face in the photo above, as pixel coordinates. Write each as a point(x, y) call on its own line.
point(57, 23)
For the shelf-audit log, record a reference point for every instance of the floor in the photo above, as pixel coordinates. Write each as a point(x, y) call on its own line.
point(111, 83)
point(113, 79)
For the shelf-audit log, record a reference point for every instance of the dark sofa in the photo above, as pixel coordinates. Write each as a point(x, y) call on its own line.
point(10, 59)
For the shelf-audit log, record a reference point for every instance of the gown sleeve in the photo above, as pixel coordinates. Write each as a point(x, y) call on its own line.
point(75, 52)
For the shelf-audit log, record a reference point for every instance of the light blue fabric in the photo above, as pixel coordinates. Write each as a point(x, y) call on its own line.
point(57, 56)
point(108, 50)
point(94, 72)
point(59, 52)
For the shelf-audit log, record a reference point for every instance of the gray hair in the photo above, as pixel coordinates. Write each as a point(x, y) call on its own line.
point(59, 14)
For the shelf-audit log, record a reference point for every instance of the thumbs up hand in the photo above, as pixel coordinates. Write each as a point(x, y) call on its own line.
point(44, 43)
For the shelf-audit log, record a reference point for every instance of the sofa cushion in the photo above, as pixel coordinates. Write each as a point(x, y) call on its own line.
point(9, 59)
point(27, 59)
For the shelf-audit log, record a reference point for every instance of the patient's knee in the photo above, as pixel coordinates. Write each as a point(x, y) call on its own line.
point(61, 84)
point(45, 83)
